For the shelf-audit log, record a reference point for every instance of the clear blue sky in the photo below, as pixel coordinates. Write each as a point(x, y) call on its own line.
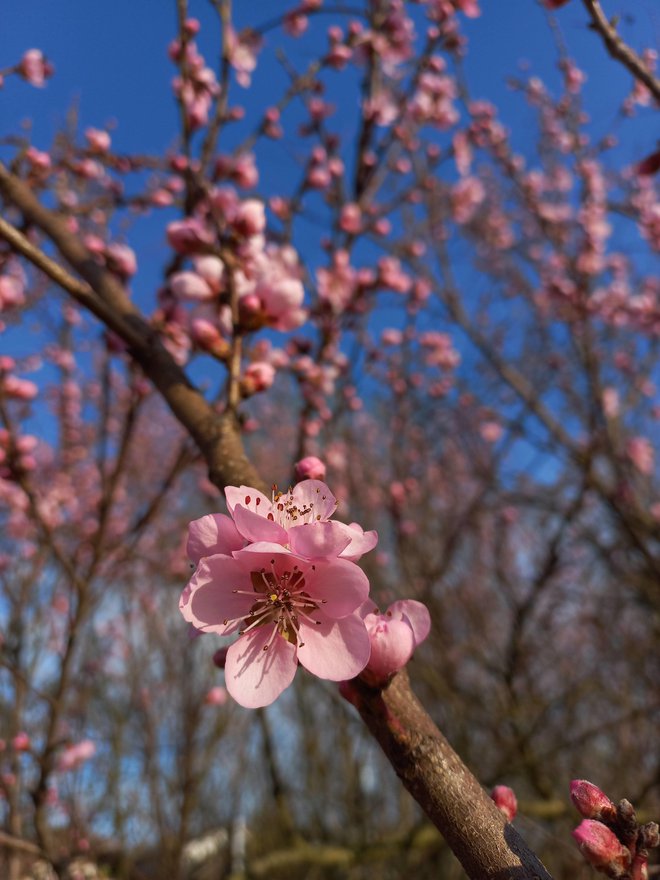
point(112, 57)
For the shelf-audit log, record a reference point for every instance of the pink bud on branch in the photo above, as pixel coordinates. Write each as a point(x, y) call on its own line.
point(590, 801)
point(602, 848)
point(506, 800)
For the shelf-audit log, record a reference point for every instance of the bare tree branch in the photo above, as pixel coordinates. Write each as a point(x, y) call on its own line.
point(620, 50)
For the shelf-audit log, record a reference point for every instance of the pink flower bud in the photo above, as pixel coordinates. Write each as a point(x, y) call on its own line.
point(590, 801)
point(38, 159)
point(505, 799)
point(310, 468)
point(21, 742)
point(189, 285)
point(189, 236)
point(350, 219)
point(602, 848)
point(35, 68)
point(98, 140)
point(207, 337)
point(250, 218)
point(121, 260)
point(217, 696)
point(260, 375)
point(191, 26)
point(394, 637)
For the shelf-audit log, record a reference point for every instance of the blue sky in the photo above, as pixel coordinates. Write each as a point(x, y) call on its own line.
point(112, 58)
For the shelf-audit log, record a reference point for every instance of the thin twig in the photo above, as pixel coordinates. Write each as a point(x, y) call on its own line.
point(620, 50)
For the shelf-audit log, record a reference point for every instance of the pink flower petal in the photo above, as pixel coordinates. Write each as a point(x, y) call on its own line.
point(254, 676)
point(213, 533)
point(316, 493)
point(340, 584)
point(257, 528)
point(336, 650)
point(416, 614)
point(361, 542)
point(267, 548)
point(320, 539)
point(247, 497)
point(209, 599)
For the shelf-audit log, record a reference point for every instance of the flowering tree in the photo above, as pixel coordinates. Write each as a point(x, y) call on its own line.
point(457, 333)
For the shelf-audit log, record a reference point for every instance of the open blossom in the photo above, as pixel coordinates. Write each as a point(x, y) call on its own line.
point(299, 520)
point(286, 610)
point(394, 636)
point(281, 575)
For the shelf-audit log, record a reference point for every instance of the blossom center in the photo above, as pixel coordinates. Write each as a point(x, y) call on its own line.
point(281, 600)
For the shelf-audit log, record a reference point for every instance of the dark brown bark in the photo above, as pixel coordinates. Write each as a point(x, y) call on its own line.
point(488, 847)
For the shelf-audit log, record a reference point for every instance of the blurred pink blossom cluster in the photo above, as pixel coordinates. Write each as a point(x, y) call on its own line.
point(196, 86)
point(265, 277)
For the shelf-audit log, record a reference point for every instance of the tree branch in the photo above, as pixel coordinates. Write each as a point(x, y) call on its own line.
point(488, 847)
point(620, 50)
point(217, 436)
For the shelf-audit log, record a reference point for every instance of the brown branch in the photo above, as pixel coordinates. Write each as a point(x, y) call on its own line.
point(217, 436)
point(619, 49)
point(17, 843)
point(488, 847)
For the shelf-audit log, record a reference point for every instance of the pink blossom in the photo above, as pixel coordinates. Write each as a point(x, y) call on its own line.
point(391, 336)
point(286, 610)
point(611, 402)
point(75, 755)
point(259, 375)
point(269, 279)
point(189, 236)
point(243, 50)
point(299, 520)
point(506, 801)
point(217, 696)
point(98, 140)
point(490, 431)
point(35, 68)
point(392, 276)
point(11, 291)
point(190, 286)
point(21, 742)
point(208, 337)
point(350, 219)
point(310, 468)
point(250, 218)
point(38, 159)
point(602, 848)
point(121, 259)
point(466, 197)
point(19, 389)
point(470, 8)
point(642, 455)
point(394, 636)
point(337, 285)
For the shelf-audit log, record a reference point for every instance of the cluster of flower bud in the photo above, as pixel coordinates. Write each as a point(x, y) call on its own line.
point(609, 837)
